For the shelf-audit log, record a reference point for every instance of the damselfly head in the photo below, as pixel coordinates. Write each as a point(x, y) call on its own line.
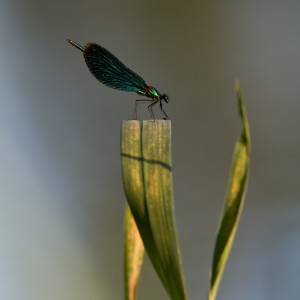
point(165, 97)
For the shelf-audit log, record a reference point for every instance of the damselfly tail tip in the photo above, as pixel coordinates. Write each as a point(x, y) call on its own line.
point(75, 44)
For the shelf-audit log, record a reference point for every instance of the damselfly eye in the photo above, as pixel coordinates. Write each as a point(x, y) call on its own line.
point(165, 97)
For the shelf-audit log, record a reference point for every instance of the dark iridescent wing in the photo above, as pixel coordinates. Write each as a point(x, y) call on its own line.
point(110, 71)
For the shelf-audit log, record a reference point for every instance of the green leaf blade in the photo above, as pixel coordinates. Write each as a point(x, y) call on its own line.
point(147, 179)
point(234, 202)
point(133, 255)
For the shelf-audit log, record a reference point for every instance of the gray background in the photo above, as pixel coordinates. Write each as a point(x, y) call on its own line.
point(61, 197)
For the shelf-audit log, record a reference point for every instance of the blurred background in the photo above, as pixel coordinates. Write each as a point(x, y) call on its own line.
point(61, 196)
